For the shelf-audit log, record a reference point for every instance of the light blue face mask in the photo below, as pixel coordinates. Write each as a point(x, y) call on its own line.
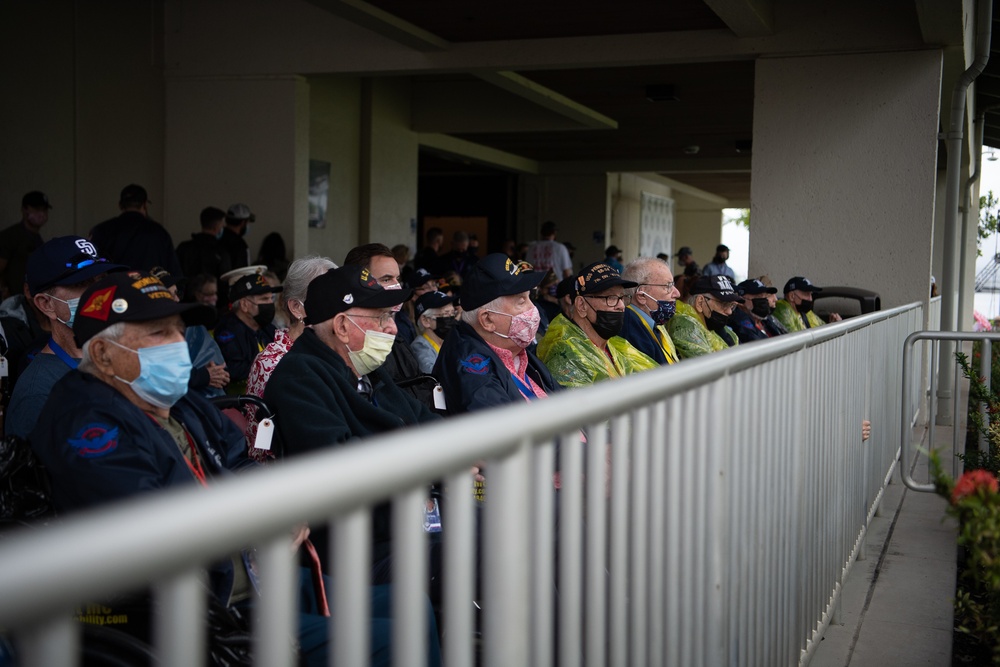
point(72, 305)
point(164, 371)
point(218, 234)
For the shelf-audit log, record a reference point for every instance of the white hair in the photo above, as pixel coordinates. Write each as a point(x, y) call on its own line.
point(112, 333)
point(300, 273)
point(641, 270)
point(431, 313)
point(471, 317)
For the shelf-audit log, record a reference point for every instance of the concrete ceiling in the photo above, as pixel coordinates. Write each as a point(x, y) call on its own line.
point(566, 85)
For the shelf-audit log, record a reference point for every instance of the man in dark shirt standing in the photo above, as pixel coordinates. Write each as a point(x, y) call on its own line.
point(133, 238)
point(237, 218)
point(20, 240)
point(203, 253)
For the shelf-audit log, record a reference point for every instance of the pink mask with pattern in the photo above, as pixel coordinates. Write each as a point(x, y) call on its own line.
point(523, 327)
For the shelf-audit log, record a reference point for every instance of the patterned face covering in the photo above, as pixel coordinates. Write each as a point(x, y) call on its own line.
point(523, 327)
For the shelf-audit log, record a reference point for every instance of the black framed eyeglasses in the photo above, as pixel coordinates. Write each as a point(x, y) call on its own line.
point(668, 286)
point(612, 300)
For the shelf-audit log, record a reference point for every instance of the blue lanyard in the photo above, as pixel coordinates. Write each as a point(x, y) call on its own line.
point(524, 388)
point(62, 354)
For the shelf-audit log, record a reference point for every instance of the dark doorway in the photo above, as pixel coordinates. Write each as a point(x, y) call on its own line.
point(451, 187)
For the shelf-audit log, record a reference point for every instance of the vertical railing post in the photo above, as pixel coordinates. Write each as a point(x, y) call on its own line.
point(985, 368)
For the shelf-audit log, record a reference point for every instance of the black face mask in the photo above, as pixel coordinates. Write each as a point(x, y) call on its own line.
point(442, 325)
point(805, 306)
point(608, 323)
point(761, 308)
point(717, 321)
point(265, 314)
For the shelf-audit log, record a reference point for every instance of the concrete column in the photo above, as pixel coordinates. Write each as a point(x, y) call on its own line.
point(844, 171)
point(389, 164)
point(234, 140)
point(697, 225)
point(580, 205)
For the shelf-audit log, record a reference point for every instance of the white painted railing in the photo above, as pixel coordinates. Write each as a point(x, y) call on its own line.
point(710, 519)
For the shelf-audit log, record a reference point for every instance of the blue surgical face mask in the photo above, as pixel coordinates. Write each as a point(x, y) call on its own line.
point(218, 234)
point(164, 371)
point(72, 305)
point(664, 310)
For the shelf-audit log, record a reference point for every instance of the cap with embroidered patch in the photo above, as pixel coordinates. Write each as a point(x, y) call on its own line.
point(131, 296)
point(801, 284)
point(65, 260)
point(754, 286)
point(251, 285)
point(433, 300)
point(350, 286)
point(720, 287)
point(240, 212)
point(494, 276)
point(598, 277)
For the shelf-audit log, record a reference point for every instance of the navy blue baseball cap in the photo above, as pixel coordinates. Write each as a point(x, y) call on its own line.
point(720, 287)
point(598, 277)
point(65, 260)
point(801, 284)
point(433, 300)
point(350, 286)
point(494, 276)
point(420, 277)
point(754, 286)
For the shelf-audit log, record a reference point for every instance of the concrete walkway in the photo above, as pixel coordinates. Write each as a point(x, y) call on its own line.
point(896, 606)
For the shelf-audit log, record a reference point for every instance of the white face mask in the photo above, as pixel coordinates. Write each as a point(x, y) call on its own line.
point(373, 353)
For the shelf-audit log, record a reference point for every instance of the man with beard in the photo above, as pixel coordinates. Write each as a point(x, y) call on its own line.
point(586, 348)
point(700, 326)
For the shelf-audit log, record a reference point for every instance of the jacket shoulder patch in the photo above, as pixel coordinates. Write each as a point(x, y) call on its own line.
point(475, 364)
point(94, 441)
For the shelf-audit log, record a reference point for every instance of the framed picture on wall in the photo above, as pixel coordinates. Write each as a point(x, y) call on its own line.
point(319, 190)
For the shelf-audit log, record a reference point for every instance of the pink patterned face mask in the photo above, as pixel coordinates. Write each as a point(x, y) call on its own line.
point(523, 327)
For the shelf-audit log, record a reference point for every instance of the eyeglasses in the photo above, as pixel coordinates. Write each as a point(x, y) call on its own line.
point(612, 300)
point(383, 319)
point(727, 306)
point(668, 286)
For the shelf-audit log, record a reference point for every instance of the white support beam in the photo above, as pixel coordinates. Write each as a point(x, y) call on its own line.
point(549, 99)
point(383, 23)
point(746, 18)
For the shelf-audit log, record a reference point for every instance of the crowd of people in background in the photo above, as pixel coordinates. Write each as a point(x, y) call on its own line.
point(115, 343)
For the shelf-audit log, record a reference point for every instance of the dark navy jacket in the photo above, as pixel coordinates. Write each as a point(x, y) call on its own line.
point(240, 344)
point(744, 325)
point(99, 448)
point(640, 337)
point(474, 378)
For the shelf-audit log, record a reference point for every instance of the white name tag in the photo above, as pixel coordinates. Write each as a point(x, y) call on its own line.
point(3, 367)
point(439, 402)
point(265, 431)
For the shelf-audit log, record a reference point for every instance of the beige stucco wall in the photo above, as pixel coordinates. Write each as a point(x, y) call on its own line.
point(83, 108)
point(335, 119)
point(238, 140)
point(389, 152)
point(844, 170)
point(580, 205)
point(625, 192)
point(698, 225)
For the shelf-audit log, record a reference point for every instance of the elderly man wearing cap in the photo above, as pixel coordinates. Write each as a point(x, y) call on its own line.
point(484, 360)
point(700, 326)
point(20, 240)
point(795, 311)
point(57, 274)
point(718, 266)
point(752, 318)
point(247, 328)
point(586, 347)
point(653, 305)
point(135, 239)
point(435, 318)
point(124, 424)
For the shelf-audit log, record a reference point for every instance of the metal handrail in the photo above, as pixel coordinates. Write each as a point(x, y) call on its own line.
point(906, 456)
point(171, 533)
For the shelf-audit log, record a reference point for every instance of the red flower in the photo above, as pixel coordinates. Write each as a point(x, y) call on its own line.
point(973, 480)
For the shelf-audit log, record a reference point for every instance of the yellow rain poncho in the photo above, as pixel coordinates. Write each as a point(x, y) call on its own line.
point(575, 361)
point(789, 317)
point(690, 335)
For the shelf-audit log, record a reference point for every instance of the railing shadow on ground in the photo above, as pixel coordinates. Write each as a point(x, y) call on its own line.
point(710, 518)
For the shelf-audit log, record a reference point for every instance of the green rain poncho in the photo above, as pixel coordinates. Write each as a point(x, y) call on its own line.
point(575, 361)
point(789, 317)
point(691, 337)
